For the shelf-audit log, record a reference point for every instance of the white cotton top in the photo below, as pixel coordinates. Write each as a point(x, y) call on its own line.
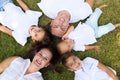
point(17, 69)
point(82, 35)
point(78, 9)
point(15, 19)
point(90, 71)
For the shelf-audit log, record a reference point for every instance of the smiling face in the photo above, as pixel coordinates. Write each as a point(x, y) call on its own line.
point(42, 59)
point(73, 63)
point(60, 24)
point(37, 33)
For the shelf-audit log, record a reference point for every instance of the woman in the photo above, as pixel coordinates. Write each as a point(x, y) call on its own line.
point(17, 68)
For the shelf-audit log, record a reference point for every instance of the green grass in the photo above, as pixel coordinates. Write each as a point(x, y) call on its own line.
point(110, 50)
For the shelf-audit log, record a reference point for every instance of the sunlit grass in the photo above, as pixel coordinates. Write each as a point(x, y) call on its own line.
point(109, 43)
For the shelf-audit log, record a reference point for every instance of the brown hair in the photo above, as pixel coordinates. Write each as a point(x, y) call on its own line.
point(65, 57)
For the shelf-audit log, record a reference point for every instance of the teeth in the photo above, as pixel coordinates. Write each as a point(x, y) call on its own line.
point(38, 62)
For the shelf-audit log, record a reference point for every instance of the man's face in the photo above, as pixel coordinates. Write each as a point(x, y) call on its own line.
point(60, 25)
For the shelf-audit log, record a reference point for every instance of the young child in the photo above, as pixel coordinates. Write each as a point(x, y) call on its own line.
point(20, 24)
point(88, 69)
point(81, 38)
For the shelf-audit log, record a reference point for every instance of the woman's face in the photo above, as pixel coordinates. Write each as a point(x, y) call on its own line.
point(42, 59)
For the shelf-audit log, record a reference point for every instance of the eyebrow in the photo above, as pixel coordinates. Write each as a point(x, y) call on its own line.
point(44, 56)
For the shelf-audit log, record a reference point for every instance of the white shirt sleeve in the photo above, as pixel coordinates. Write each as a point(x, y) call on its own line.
point(35, 13)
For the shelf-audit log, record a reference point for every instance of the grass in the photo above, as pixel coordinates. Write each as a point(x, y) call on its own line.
point(110, 49)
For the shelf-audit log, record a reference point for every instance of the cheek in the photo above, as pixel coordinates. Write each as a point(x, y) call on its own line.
point(45, 64)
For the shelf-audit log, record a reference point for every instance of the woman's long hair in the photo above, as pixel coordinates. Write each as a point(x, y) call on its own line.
point(37, 47)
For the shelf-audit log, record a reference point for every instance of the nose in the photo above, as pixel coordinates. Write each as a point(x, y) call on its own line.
point(41, 58)
point(75, 65)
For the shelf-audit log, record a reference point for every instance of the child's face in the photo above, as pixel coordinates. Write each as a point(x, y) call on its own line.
point(65, 45)
point(73, 63)
point(37, 33)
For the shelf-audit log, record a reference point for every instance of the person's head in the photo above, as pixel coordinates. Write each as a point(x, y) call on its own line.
point(60, 24)
point(71, 62)
point(37, 33)
point(41, 55)
point(65, 46)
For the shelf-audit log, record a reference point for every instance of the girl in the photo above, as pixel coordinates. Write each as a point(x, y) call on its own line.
point(20, 24)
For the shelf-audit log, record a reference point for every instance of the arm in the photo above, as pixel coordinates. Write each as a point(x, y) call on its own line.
point(6, 30)
point(23, 5)
point(71, 28)
point(108, 71)
point(4, 64)
point(96, 48)
point(91, 2)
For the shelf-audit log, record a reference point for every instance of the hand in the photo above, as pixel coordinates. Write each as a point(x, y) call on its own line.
point(64, 37)
point(97, 48)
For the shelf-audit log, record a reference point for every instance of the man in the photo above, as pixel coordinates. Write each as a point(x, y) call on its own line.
point(64, 12)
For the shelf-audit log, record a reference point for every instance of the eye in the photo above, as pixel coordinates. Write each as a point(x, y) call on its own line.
point(71, 64)
point(75, 58)
point(55, 26)
point(45, 59)
point(40, 53)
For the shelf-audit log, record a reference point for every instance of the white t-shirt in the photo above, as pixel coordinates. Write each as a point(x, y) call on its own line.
point(82, 35)
point(17, 69)
point(15, 19)
point(90, 71)
point(78, 9)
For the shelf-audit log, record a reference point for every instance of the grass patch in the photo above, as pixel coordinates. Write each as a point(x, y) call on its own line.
point(110, 50)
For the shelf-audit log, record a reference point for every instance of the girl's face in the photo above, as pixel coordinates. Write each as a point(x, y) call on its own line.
point(41, 59)
point(37, 33)
point(73, 63)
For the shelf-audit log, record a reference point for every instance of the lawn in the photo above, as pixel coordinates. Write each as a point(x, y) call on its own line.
point(109, 43)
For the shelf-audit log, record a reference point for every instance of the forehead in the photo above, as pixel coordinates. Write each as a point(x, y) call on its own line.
point(70, 59)
point(46, 53)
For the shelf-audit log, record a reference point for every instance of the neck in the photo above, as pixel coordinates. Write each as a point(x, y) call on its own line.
point(31, 70)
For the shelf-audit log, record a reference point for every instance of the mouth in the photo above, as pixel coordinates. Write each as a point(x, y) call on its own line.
point(38, 63)
point(78, 66)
